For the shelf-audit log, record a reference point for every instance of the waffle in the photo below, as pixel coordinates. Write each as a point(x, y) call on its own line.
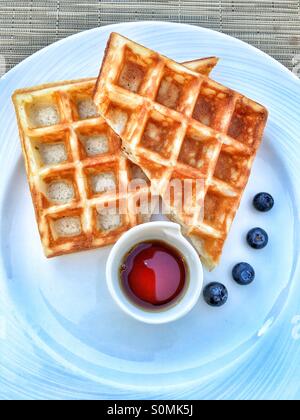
point(76, 170)
point(178, 125)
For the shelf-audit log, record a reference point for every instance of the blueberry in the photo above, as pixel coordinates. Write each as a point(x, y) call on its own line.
point(263, 202)
point(215, 294)
point(243, 274)
point(257, 238)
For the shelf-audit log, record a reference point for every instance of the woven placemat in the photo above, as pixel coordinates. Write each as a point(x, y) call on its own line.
point(272, 26)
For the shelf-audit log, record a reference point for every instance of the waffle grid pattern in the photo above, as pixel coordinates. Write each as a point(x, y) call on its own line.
point(176, 123)
point(76, 170)
point(85, 191)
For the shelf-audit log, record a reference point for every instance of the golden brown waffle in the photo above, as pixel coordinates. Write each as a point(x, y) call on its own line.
point(74, 162)
point(177, 124)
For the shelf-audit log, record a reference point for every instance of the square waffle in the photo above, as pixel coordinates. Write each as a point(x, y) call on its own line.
point(178, 125)
point(76, 170)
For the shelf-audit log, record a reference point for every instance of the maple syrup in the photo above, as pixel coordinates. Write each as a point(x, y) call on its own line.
point(153, 275)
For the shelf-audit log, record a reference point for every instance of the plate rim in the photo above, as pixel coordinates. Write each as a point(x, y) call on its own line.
point(150, 23)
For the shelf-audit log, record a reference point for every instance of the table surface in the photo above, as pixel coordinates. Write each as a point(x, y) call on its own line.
point(29, 25)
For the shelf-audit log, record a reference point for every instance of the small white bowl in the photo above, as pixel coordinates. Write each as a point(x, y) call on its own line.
point(169, 233)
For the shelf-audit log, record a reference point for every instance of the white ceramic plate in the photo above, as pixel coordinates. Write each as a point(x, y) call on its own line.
point(62, 336)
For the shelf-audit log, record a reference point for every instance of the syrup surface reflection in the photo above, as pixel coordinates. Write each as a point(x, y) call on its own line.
point(153, 275)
